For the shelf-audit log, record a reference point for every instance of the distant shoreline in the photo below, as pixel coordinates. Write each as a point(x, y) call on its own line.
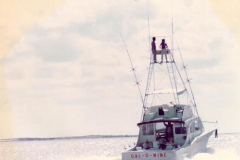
point(75, 137)
point(65, 138)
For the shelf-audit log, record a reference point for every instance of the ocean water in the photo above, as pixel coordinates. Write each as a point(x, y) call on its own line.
point(225, 147)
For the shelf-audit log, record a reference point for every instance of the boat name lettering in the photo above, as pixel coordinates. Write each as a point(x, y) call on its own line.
point(135, 156)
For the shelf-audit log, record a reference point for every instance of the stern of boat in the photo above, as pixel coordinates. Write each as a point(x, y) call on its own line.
point(149, 155)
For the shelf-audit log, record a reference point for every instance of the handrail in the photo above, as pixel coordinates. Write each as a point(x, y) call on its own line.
point(156, 121)
point(209, 122)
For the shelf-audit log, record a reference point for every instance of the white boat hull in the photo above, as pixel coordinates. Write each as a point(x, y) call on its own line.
point(149, 155)
point(197, 145)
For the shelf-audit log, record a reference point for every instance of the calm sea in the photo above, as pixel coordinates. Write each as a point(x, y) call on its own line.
point(225, 147)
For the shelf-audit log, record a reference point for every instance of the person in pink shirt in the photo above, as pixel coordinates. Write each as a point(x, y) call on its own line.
point(163, 46)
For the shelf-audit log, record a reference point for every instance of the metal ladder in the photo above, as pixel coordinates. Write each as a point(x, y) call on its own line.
point(150, 71)
point(172, 78)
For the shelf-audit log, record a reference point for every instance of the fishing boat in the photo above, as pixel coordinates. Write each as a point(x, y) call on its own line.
point(170, 127)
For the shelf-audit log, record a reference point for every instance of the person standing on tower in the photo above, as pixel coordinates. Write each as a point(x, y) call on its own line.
point(154, 50)
point(163, 46)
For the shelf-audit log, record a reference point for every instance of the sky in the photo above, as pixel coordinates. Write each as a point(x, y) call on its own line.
point(66, 72)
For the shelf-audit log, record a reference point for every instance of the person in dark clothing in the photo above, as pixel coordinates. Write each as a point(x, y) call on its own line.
point(169, 129)
point(160, 111)
point(154, 50)
point(170, 140)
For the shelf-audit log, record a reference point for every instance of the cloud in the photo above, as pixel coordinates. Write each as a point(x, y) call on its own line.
point(72, 69)
point(16, 18)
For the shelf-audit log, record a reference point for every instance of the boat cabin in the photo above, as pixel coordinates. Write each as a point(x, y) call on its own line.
point(167, 127)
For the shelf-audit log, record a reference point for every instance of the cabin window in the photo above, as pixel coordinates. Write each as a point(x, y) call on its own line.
point(148, 129)
point(180, 129)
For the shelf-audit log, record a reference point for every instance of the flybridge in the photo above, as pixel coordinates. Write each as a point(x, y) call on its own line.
point(169, 112)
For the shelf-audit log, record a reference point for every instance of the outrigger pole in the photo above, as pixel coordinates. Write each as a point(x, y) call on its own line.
point(133, 69)
point(188, 80)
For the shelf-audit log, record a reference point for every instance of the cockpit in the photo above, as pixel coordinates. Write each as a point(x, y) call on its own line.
point(162, 135)
point(168, 127)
